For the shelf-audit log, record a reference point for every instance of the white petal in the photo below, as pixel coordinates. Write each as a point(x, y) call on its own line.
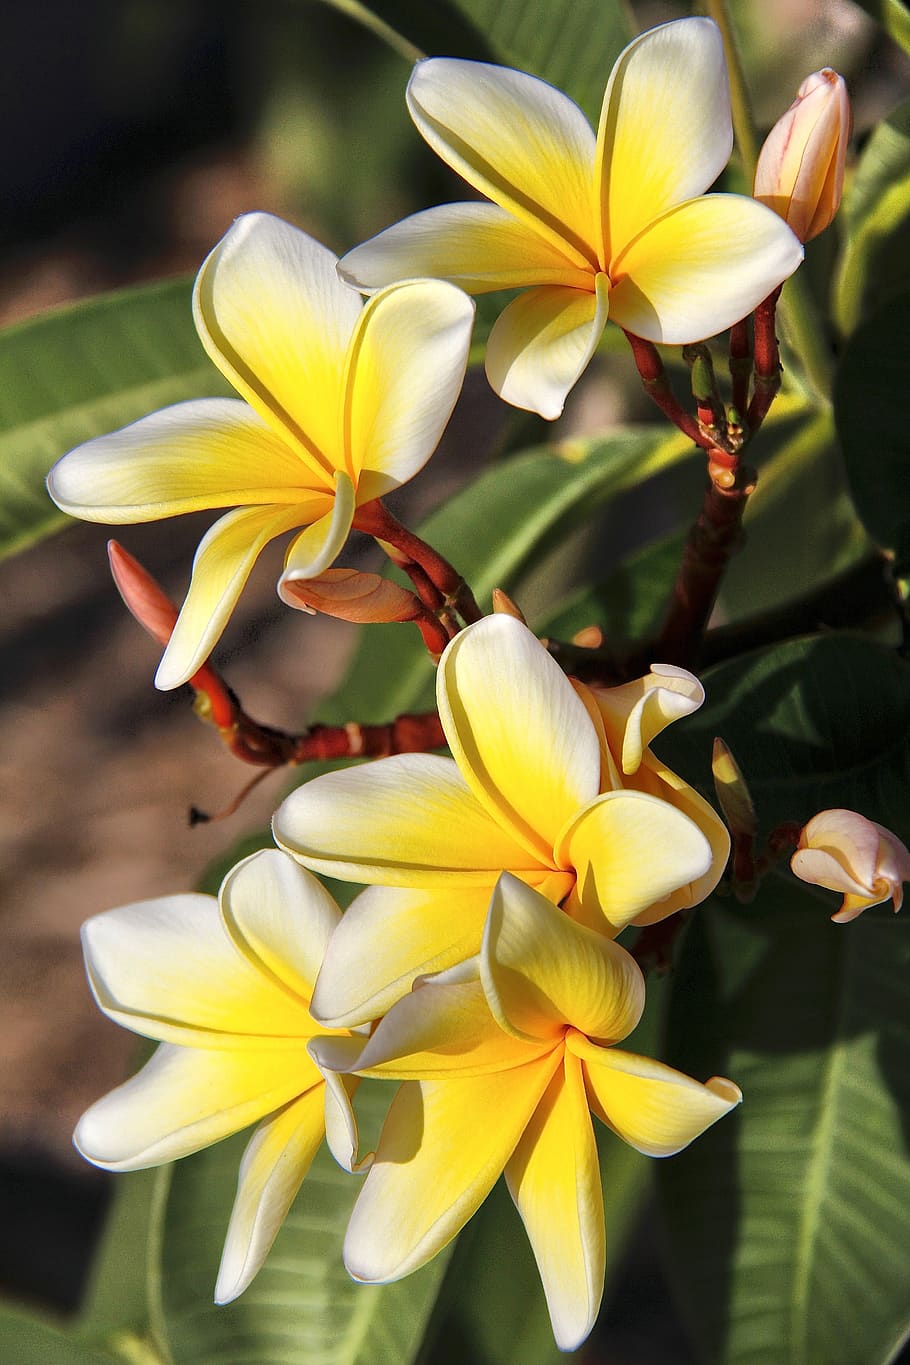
point(316, 548)
point(277, 1158)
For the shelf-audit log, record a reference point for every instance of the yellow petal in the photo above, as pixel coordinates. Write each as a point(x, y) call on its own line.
point(554, 1178)
point(541, 971)
point(479, 247)
point(222, 564)
point(281, 918)
point(665, 129)
point(406, 364)
point(443, 1146)
point(542, 344)
point(386, 938)
point(436, 1031)
point(409, 820)
point(319, 545)
point(518, 732)
point(636, 712)
point(517, 140)
point(277, 1158)
point(654, 1108)
point(167, 969)
point(630, 851)
point(185, 1099)
point(276, 320)
point(700, 268)
point(211, 452)
point(655, 778)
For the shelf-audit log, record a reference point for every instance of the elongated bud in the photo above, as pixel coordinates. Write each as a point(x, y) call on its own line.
point(504, 606)
point(800, 171)
point(148, 603)
point(845, 852)
point(732, 793)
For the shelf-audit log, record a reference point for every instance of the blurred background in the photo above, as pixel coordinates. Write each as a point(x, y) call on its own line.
point(135, 131)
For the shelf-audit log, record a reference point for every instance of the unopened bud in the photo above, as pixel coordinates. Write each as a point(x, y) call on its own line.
point(845, 852)
point(800, 171)
point(504, 606)
point(351, 595)
point(148, 603)
point(733, 795)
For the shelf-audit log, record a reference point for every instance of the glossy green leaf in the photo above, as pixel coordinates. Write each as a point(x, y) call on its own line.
point(789, 1221)
point(570, 43)
point(813, 723)
point(875, 260)
point(302, 1308)
point(494, 531)
point(83, 370)
point(115, 1305)
point(27, 1339)
point(872, 409)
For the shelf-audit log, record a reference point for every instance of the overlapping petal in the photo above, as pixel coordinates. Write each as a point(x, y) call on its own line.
point(406, 366)
point(386, 938)
point(409, 820)
point(276, 320)
point(636, 712)
point(315, 549)
point(185, 1098)
point(518, 732)
point(276, 1159)
point(630, 851)
point(281, 918)
point(554, 1179)
point(209, 452)
point(541, 970)
point(543, 341)
point(700, 267)
point(519, 141)
point(222, 564)
point(443, 1146)
point(151, 967)
point(651, 1106)
point(665, 129)
point(479, 247)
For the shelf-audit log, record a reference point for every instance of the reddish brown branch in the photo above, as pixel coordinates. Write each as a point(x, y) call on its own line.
point(654, 380)
point(740, 366)
point(767, 367)
point(411, 553)
point(713, 539)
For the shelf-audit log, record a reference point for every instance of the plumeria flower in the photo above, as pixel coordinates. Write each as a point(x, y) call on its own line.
point(224, 986)
point(532, 788)
point(614, 224)
point(863, 861)
point(339, 403)
point(504, 1060)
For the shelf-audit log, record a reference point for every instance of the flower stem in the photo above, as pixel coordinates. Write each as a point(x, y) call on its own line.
point(434, 575)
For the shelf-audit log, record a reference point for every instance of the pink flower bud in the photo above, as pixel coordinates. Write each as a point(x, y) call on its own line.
point(800, 171)
point(847, 853)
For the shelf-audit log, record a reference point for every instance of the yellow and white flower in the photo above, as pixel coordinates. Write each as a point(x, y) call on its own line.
point(503, 1062)
point(342, 403)
point(224, 986)
point(533, 787)
point(614, 225)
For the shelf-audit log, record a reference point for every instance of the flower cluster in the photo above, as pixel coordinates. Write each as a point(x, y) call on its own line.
point(479, 969)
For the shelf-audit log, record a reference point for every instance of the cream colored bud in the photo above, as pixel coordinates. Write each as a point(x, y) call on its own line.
point(800, 171)
point(863, 861)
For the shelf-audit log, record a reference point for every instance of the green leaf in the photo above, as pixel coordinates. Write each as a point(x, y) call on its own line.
point(83, 370)
point(302, 1308)
point(875, 259)
point(813, 724)
point(494, 531)
point(115, 1305)
point(872, 410)
point(789, 1220)
point(26, 1339)
point(570, 43)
